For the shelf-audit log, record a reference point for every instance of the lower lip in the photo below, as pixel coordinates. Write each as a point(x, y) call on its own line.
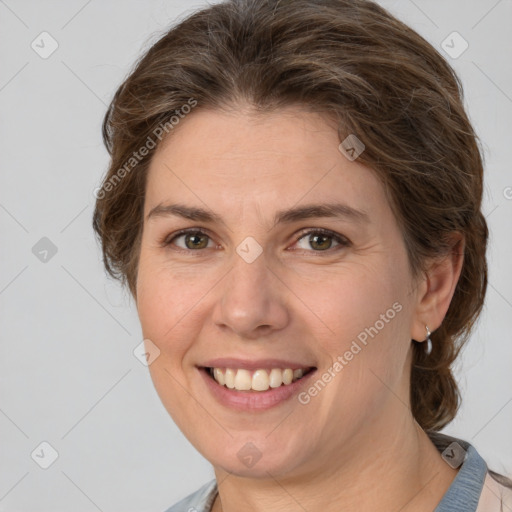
point(253, 400)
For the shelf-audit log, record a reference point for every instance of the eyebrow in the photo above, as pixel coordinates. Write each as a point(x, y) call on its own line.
point(337, 210)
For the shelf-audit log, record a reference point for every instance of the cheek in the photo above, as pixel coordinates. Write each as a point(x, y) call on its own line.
point(165, 314)
point(369, 342)
point(165, 307)
point(164, 293)
point(367, 311)
point(357, 299)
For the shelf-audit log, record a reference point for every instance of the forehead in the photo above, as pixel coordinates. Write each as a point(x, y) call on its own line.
point(266, 161)
point(289, 133)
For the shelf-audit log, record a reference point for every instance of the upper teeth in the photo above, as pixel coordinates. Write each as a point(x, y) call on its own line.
point(260, 380)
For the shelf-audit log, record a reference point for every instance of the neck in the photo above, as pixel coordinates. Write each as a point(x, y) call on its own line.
point(396, 467)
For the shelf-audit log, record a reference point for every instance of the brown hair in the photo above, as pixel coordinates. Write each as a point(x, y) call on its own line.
point(357, 64)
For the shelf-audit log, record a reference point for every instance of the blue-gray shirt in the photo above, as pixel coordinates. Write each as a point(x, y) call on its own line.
point(462, 495)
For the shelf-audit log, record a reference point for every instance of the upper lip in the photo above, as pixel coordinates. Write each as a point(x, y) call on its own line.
point(254, 364)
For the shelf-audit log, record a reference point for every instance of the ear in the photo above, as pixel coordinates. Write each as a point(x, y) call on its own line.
point(435, 290)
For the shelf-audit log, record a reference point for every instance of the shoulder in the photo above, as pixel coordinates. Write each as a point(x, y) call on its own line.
point(475, 488)
point(199, 501)
point(495, 496)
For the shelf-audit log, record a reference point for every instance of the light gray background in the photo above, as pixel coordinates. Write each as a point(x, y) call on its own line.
point(68, 375)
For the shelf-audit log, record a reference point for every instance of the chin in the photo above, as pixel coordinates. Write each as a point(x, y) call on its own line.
point(252, 460)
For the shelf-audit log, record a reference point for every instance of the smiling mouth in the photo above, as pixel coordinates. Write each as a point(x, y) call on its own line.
point(258, 380)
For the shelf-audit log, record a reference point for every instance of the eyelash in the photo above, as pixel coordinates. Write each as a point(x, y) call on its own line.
point(341, 240)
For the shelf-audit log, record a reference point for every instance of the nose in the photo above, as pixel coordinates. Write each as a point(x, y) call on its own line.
point(251, 300)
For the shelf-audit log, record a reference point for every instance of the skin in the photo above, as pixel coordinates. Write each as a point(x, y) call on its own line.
point(355, 444)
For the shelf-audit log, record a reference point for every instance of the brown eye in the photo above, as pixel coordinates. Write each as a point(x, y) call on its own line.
point(196, 241)
point(189, 240)
point(321, 240)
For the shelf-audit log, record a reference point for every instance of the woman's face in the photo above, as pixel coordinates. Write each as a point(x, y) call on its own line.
point(300, 265)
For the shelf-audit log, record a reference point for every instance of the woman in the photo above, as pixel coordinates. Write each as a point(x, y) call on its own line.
point(294, 200)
